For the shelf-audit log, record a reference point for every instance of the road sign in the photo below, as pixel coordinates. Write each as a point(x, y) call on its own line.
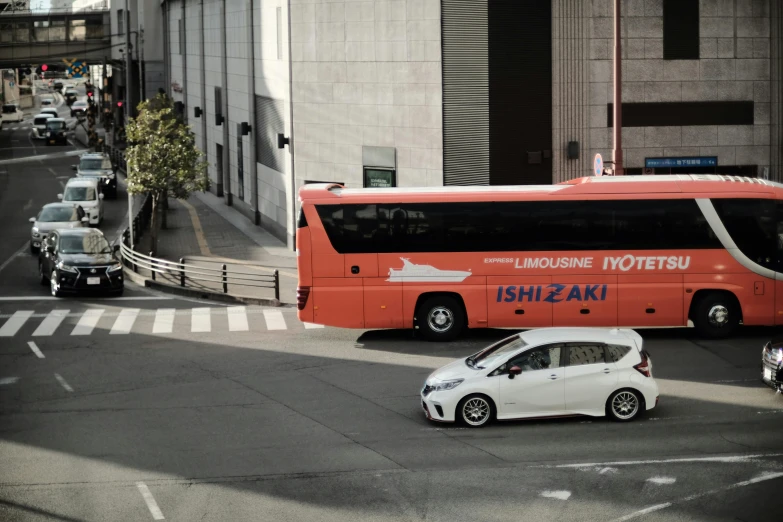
point(598, 165)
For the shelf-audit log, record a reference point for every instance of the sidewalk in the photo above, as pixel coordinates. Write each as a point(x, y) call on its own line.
point(207, 232)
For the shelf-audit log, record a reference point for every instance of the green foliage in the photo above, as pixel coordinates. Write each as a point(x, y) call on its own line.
point(163, 159)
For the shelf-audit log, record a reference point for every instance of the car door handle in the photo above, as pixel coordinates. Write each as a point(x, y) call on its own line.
point(552, 377)
point(607, 370)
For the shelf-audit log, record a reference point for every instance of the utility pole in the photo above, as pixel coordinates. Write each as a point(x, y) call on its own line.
point(127, 106)
point(617, 119)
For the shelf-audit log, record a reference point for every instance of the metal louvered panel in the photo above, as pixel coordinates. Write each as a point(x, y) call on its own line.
point(465, 92)
point(269, 120)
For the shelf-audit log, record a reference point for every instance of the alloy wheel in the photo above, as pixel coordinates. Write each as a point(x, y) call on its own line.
point(440, 319)
point(625, 405)
point(476, 411)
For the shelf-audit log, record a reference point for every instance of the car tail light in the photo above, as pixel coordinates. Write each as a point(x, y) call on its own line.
point(302, 294)
point(644, 366)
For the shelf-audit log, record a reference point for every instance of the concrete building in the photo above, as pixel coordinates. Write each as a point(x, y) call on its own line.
point(449, 92)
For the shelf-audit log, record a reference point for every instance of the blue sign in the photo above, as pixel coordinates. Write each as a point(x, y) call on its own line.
point(598, 166)
point(695, 161)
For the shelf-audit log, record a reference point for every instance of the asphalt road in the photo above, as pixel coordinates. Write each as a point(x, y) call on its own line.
point(149, 407)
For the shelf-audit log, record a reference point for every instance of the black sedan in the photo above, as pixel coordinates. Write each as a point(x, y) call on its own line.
point(772, 365)
point(79, 260)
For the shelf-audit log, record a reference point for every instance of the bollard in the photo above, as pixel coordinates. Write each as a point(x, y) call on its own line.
point(181, 271)
point(225, 280)
point(277, 285)
point(152, 267)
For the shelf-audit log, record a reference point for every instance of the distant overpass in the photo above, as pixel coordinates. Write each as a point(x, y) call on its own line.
point(35, 37)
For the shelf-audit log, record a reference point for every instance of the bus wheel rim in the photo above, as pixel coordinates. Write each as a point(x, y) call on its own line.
point(440, 319)
point(718, 315)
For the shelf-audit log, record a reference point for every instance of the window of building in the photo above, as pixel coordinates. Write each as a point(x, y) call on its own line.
point(379, 177)
point(78, 30)
point(586, 353)
point(681, 29)
point(120, 22)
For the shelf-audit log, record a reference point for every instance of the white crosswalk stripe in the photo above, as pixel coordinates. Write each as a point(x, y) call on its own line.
point(164, 321)
point(87, 323)
point(50, 323)
point(201, 320)
point(16, 321)
point(125, 321)
point(237, 319)
point(275, 320)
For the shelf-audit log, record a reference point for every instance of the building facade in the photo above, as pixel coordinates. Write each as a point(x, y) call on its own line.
point(379, 93)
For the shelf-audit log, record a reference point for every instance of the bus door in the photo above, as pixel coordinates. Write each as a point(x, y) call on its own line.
point(584, 300)
point(519, 302)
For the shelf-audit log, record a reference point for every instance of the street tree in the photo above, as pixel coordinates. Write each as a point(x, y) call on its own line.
point(162, 158)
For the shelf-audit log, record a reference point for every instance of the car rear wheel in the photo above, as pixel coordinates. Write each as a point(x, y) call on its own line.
point(475, 411)
point(440, 318)
point(624, 405)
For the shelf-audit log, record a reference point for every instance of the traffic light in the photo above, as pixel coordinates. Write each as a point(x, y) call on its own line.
point(44, 67)
point(89, 94)
point(119, 104)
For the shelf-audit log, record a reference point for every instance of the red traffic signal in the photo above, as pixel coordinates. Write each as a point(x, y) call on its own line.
point(119, 104)
point(44, 67)
point(89, 94)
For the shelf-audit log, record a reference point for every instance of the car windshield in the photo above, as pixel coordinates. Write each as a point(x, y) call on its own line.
point(79, 194)
point(9, 109)
point(87, 244)
point(92, 164)
point(56, 214)
point(80, 104)
point(55, 125)
point(496, 351)
point(40, 121)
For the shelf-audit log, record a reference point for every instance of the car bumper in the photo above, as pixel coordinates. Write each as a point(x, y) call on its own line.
point(440, 406)
point(772, 375)
point(86, 282)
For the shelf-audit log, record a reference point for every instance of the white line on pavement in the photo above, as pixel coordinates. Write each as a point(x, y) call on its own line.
point(62, 381)
point(125, 321)
point(16, 322)
point(237, 319)
point(13, 256)
point(88, 321)
point(50, 298)
point(164, 321)
point(662, 480)
point(559, 495)
point(644, 511)
point(274, 320)
point(201, 320)
point(157, 514)
point(38, 353)
point(8, 380)
point(724, 459)
point(50, 323)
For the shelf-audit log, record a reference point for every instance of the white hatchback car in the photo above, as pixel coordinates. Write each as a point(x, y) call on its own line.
point(549, 372)
point(39, 125)
point(86, 193)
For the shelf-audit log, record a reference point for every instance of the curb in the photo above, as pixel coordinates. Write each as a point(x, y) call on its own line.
point(201, 294)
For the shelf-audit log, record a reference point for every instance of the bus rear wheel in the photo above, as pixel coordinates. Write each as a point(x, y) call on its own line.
point(440, 318)
point(716, 315)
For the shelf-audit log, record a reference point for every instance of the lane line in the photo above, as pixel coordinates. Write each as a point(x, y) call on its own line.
point(8, 380)
point(50, 298)
point(662, 480)
point(15, 323)
point(146, 494)
point(201, 320)
point(62, 381)
point(124, 321)
point(88, 321)
point(237, 319)
point(164, 320)
point(310, 326)
point(34, 347)
point(559, 495)
point(275, 320)
point(725, 459)
point(14, 256)
point(50, 323)
point(643, 512)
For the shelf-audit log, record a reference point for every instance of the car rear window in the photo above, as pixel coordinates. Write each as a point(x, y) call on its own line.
point(617, 351)
point(9, 109)
point(40, 121)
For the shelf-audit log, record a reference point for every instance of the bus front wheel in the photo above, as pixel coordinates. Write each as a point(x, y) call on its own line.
point(440, 318)
point(716, 315)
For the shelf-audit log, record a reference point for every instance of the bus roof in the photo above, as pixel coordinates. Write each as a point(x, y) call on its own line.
point(656, 184)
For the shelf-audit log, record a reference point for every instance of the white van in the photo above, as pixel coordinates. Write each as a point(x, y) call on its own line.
point(86, 193)
point(39, 125)
point(12, 112)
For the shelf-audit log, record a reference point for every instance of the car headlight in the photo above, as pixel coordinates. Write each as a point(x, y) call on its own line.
point(35, 232)
point(111, 175)
point(446, 385)
point(65, 268)
point(780, 355)
point(115, 267)
point(48, 134)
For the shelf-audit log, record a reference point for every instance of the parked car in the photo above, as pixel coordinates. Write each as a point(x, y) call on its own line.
point(97, 165)
point(39, 125)
point(772, 365)
point(79, 108)
point(12, 113)
point(85, 192)
point(53, 216)
point(56, 131)
point(549, 372)
point(79, 260)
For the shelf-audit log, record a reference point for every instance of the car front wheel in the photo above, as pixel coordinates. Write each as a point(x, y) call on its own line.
point(624, 405)
point(475, 411)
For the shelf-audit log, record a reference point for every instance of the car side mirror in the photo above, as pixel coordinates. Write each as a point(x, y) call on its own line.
point(31, 220)
point(59, 196)
point(100, 196)
point(514, 370)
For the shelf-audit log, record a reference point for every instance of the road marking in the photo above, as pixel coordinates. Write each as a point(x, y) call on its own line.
point(13, 256)
point(50, 323)
point(28, 204)
point(34, 347)
point(88, 321)
point(49, 298)
point(201, 320)
point(559, 495)
point(8, 380)
point(202, 241)
point(662, 480)
point(124, 321)
point(275, 320)
point(157, 514)
point(164, 320)
point(62, 381)
point(726, 460)
point(237, 319)
point(16, 322)
point(43, 157)
point(310, 326)
point(644, 511)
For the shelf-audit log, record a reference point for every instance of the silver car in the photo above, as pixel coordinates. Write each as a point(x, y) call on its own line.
point(54, 216)
point(39, 125)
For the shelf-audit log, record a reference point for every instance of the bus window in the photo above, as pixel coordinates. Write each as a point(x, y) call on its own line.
point(752, 224)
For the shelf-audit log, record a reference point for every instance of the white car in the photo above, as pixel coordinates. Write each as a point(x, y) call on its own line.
point(12, 113)
point(549, 372)
point(54, 216)
point(86, 193)
point(39, 125)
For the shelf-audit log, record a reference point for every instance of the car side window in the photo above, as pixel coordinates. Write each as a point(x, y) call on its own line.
point(542, 358)
point(586, 353)
point(615, 352)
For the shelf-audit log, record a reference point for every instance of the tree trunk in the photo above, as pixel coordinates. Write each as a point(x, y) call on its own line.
point(164, 222)
point(154, 226)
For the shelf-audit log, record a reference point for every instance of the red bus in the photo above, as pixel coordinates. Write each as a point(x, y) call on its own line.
point(625, 251)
